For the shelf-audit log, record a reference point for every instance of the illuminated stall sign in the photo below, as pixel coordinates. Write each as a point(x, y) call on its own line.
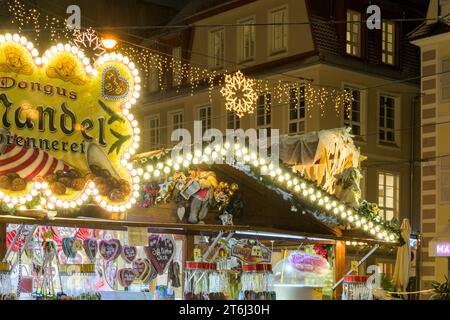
point(66, 129)
point(443, 249)
point(251, 251)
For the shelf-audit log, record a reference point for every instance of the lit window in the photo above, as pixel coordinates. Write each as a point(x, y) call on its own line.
point(387, 119)
point(388, 44)
point(353, 37)
point(175, 121)
point(217, 48)
point(153, 131)
point(177, 73)
point(352, 111)
point(233, 121)
point(204, 115)
point(388, 195)
point(247, 39)
point(297, 110)
point(264, 112)
point(445, 79)
point(278, 31)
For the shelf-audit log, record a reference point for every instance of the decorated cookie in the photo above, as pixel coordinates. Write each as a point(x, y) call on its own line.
point(109, 249)
point(129, 253)
point(90, 247)
point(160, 251)
point(126, 277)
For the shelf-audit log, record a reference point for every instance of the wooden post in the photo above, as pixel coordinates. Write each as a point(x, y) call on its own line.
point(2, 240)
point(339, 268)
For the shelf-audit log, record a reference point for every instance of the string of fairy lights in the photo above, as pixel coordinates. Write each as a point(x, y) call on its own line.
point(162, 166)
point(41, 196)
point(184, 72)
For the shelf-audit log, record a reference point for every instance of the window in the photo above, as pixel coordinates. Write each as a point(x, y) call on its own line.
point(352, 111)
point(445, 79)
point(297, 110)
point(217, 48)
point(177, 73)
point(387, 268)
point(233, 121)
point(175, 120)
point(247, 39)
point(153, 78)
point(387, 119)
point(153, 131)
point(263, 111)
point(388, 42)
point(444, 180)
point(278, 31)
point(204, 115)
point(353, 37)
point(388, 195)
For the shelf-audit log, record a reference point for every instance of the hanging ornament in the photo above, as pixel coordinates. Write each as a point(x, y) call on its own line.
point(239, 93)
point(88, 40)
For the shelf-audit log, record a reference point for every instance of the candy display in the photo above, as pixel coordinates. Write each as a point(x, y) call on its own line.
point(6, 287)
point(257, 282)
point(355, 288)
point(200, 280)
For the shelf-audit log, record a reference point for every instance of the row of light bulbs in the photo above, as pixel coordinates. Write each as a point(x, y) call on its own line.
point(50, 201)
point(291, 181)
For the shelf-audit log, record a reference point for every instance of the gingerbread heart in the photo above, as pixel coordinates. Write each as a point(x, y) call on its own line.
point(90, 247)
point(129, 253)
point(68, 247)
point(114, 87)
point(126, 277)
point(160, 251)
point(109, 249)
point(141, 269)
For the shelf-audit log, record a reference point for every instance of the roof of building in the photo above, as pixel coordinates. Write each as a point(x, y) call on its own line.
point(330, 44)
point(430, 29)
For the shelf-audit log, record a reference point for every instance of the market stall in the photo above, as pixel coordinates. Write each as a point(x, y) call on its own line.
point(83, 217)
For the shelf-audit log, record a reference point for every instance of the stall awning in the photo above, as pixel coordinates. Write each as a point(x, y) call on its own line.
point(439, 246)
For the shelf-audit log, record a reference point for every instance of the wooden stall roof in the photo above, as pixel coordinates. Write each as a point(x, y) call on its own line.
point(264, 211)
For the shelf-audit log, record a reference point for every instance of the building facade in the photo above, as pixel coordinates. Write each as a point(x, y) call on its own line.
point(287, 39)
point(433, 38)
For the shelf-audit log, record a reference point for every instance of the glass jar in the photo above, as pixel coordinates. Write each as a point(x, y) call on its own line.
point(197, 280)
point(355, 288)
point(257, 282)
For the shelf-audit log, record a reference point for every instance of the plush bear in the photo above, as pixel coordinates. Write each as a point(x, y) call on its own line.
point(201, 201)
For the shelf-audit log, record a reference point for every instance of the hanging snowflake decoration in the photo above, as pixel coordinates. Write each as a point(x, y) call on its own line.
point(239, 93)
point(88, 40)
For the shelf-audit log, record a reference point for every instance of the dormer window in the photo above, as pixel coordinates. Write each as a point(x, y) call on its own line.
point(353, 35)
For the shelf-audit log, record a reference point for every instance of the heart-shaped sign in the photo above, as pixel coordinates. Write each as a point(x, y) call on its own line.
point(65, 82)
point(126, 277)
point(160, 251)
point(129, 253)
point(114, 87)
point(144, 270)
point(68, 247)
point(109, 249)
point(90, 247)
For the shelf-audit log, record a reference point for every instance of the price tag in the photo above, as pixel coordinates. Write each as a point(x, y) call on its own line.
point(256, 251)
point(137, 236)
point(197, 255)
point(355, 267)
